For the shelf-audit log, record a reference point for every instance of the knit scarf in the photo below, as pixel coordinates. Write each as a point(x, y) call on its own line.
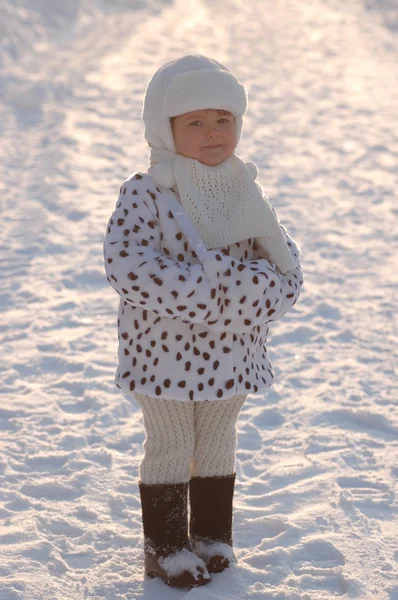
point(224, 203)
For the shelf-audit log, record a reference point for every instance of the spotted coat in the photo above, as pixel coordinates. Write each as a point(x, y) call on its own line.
point(189, 331)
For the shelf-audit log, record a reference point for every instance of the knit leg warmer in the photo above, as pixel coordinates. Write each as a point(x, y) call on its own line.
point(170, 440)
point(188, 438)
point(215, 436)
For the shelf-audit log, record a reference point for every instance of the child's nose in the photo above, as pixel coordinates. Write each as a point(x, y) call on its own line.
point(213, 131)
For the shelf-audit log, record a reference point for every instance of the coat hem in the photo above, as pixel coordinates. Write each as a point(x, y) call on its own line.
point(203, 398)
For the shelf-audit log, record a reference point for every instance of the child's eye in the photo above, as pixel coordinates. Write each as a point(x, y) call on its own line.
point(219, 120)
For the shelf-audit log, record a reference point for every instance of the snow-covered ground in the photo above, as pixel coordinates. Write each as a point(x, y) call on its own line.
point(316, 510)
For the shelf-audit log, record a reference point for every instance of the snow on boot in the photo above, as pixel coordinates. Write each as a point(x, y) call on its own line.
point(167, 548)
point(211, 500)
point(216, 555)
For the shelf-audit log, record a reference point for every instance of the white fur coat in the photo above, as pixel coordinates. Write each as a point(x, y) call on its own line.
point(189, 331)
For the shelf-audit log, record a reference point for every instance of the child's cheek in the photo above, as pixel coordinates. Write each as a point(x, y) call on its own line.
point(194, 138)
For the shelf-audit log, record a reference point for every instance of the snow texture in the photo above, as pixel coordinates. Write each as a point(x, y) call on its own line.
point(316, 512)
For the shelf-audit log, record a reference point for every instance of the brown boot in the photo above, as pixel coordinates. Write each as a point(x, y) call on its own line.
point(211, 500)
point(167, 549)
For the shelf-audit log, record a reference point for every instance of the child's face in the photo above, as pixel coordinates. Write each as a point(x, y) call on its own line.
point(207, 135)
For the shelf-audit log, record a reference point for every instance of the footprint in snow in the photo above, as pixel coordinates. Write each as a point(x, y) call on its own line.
point(364, 494)
point(260, 532)
point(318, 565)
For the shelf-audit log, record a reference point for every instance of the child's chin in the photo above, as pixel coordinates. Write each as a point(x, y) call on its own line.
point(212, 161)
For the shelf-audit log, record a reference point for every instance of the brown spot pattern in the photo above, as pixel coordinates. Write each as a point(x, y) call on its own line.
point(208, 326)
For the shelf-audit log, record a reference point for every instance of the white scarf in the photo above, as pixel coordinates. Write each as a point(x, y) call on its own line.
point(224, 203)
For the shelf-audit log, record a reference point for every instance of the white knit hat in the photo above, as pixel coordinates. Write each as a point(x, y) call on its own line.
point(193, 82)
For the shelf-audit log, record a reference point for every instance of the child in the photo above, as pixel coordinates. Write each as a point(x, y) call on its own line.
point(192, 333)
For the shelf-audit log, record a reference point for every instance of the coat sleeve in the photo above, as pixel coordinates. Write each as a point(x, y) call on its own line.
point(290, 282)
point(141, 274)
point(253, 293)
point(223, 294)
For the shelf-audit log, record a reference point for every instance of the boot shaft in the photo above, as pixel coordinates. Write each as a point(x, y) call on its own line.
point(164, 517)
point(211, 501)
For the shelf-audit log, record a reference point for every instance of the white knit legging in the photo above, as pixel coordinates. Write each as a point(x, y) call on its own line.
point(185, 439)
